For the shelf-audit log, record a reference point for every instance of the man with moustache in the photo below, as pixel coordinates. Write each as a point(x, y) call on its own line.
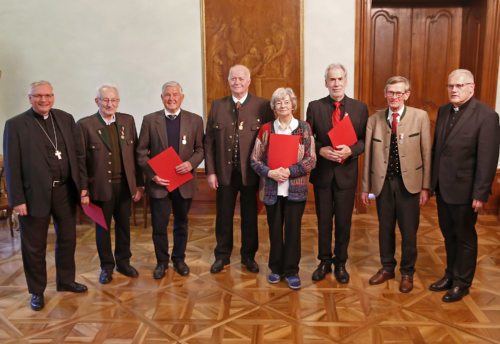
point(464, 161)
point(232, 127)
point(183, 131)
point(397, 169)
point(43, 180)
point(111, 178)
point(336, 173)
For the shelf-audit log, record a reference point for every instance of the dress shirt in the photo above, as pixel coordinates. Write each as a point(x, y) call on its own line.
point(280, 129)
point(175, 114)
point(110, 121)
point(241, 100)
point(400, 112)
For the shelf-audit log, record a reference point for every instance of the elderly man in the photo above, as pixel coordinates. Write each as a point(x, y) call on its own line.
point(232, 127)
point(111, 178)
point(183, 131)
point(464, 161)
point(43, 180)
point(336, 173)
point(397, 169)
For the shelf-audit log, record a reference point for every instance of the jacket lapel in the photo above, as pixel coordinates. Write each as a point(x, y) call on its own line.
point(161, 128)
point(121, 130)
point(101, 130)
point(461, 121)
point(38, 134)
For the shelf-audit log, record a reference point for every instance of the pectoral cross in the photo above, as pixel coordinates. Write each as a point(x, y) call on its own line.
point(58, 154)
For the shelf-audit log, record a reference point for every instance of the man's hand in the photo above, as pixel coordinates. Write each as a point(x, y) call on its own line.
point(341, 153)
point(21, 209)
point(424, 196)
point(184, 168)
point(477, 205)
point(212, 181)
point(84, 197)
point(364, 198)
point(160, 181)
point(138, 194)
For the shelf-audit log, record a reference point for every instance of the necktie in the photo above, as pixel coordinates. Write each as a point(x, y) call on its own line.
point(171, 117)
point(238, 105)
point(394, 122)
point(336, 114)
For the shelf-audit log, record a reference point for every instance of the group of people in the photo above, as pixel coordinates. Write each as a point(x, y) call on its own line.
point(52, 164)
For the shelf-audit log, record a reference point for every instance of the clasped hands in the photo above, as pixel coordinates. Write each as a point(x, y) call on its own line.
point(279, 174)
point(183, 168)
point(337, 154)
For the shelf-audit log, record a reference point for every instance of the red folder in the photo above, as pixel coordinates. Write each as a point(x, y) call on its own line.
point(95, 214)
point(282, 151)
point(164, 166)
point(343, 133)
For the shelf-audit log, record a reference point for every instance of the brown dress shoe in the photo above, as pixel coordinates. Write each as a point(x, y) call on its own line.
point(381, 276)
point(406, 284)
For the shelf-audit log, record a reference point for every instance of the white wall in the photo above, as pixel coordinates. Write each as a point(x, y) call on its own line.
point(138, 45)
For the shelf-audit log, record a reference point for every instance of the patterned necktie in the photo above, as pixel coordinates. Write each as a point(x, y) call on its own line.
point(336, 114)
point(394, 126)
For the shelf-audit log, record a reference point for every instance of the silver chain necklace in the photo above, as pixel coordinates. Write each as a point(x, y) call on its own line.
point(57, 153)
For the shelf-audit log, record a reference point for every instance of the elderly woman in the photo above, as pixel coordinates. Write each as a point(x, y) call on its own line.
point(284, 188)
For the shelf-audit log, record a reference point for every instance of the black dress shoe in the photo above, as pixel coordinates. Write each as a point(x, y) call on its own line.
point(443, 284)
point(73, 287)
point(341, 274)
point(251, 265)
point(128, 270)
point(455, 294)
point(105, 276)
point(321, 271)
point(181, 267)
point(37, 302)
point(217, 266)
point(159, 271)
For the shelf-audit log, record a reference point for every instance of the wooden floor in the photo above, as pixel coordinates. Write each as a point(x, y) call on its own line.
point(240, 307)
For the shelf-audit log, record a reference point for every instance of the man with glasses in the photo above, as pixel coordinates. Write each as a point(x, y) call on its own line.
point(43, 180)
point(397, 169)
point(336, 174)
point(464, 161)
point(111, 178)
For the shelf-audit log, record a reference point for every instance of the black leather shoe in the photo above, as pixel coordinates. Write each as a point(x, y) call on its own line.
point(251, 265)
point(73, 287)
point(217, 266)
point(128, 270)
point(106, 276)
point(159, 271)
point(443, 284)
point(37, 302)
point(181, 267)
point(341, 274)
point(321, 271)
point(455, 294)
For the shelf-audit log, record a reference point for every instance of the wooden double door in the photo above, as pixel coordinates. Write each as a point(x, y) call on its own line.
point(424, 40)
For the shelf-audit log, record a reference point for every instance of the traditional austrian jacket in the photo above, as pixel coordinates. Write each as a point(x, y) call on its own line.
point(306, 160)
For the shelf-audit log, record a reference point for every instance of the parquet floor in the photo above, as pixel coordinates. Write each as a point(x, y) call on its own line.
point(239, 307)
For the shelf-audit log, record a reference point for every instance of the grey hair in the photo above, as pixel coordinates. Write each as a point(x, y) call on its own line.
point(245, 68)
point(39, 83)
point(467, 73)
point(335, 66)
point(281, 93)
point(107, 85)
point(171, 84)
point(396, 80)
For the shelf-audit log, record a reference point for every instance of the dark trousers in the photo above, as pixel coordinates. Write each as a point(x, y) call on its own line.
point(457, 223)
point(160, 215)
point(34, 241)
point(284, 218)
point(118, 207)
point(333, 201)
point(225, 204)
point(395, 203)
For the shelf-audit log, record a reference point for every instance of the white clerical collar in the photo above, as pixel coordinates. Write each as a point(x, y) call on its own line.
point(241, 100)
point(108, 121)
point(175, 114)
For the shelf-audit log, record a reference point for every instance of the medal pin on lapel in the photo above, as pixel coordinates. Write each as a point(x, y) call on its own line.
point(184, 139)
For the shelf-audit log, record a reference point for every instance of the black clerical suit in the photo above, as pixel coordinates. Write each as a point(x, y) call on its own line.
point(48, 186)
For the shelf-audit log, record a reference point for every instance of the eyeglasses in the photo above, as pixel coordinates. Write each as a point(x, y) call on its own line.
point(394, 94)
point(458, 86)
point(107, 100)
point(40, 96)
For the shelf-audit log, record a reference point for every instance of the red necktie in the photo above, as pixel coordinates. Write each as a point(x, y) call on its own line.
point(336, 113)
point(394, 122)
